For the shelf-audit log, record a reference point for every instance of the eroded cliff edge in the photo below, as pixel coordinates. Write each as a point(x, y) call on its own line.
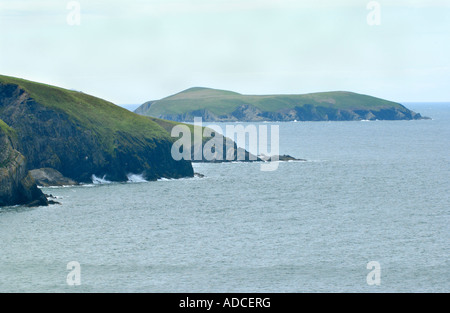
point(17, 186)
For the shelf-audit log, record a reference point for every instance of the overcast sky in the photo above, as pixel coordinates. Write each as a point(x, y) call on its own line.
point(129, 52)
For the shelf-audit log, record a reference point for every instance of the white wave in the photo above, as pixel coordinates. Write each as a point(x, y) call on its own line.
point(55, 187)
point(136, 178)
point(87, 185)
point(179, 179)
point(316, 161)
point(100, 181)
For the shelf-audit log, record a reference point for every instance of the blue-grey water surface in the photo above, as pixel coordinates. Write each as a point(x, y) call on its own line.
point(370, 191)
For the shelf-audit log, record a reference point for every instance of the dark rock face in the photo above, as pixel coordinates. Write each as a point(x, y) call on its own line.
point(17, 186)
point(48, 138)
point(227, 153)
point(46, 177)
point(248, 112)
point(189, 117)
point(307, 112)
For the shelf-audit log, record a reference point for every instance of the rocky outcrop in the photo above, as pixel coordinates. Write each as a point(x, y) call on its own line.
point(230, 153)
point(17, 186)
point(249, 113)
point(46, 177)
point(206, 115)
point(282, 158)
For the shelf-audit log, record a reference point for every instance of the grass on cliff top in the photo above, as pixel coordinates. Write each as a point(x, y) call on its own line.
point(4, 128)
point(106, 119)
point(221, 102)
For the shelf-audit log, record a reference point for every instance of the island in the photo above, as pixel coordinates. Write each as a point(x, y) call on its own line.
point(215, 105)
point(80, 135)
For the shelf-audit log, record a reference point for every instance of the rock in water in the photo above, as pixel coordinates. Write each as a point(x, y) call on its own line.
point(17, 186)
point(284, 158)
point(46, 177)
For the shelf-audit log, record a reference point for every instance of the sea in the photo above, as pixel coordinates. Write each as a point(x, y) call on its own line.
point(369, 211)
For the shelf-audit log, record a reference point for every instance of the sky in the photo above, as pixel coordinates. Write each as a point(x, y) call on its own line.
point(130, 52)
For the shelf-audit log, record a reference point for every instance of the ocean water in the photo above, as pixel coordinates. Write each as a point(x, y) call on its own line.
point(370, 191)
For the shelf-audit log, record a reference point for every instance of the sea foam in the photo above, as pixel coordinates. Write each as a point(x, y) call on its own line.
point(100, 181)
point(136, 178)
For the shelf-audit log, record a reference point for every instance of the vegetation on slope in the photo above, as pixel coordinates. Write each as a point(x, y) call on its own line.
point(4, 128)
point(81, 135)
point(102, 117)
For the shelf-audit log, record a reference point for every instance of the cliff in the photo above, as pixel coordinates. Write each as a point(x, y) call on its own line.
point(17, 187)
point(80, 135)
point(230, 153)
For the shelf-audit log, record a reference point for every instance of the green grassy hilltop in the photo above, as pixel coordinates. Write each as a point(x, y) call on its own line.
point(102, 117)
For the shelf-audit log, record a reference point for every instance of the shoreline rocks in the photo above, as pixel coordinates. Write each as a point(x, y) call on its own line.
point(283, 158)
point(47, 177)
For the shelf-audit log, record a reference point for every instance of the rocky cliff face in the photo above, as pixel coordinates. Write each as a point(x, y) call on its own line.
point(16, 184)
point(249, 113)
point(52, 138)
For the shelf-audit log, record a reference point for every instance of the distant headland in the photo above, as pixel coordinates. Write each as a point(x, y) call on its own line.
point(215, 105)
